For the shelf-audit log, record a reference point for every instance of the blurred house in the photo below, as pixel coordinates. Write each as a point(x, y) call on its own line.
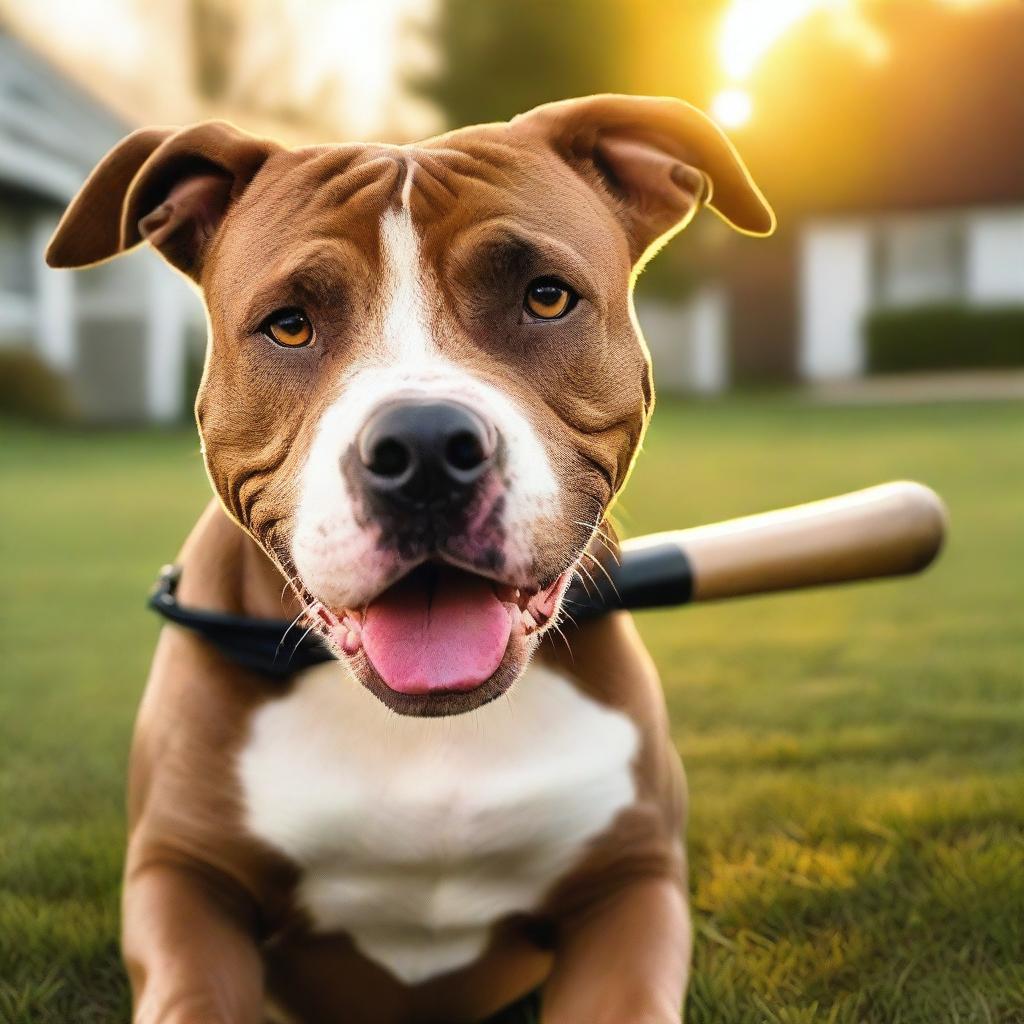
point(898, 186)
point(116, 334)
point(688, 341)
point(970, 251)
point(941, 222)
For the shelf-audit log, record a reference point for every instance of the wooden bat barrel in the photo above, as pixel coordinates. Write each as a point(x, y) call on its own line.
point(893, 529)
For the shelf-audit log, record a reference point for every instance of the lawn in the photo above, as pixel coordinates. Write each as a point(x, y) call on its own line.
point(855, 756)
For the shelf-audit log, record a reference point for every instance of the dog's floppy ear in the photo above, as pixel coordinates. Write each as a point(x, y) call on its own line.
point(656, 159)
point(168, 186)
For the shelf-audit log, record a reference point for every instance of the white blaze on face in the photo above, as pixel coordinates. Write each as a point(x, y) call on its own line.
point(405, 333)
point(335, 548)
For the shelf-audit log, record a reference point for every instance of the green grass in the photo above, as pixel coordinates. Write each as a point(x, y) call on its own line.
point(855, 756)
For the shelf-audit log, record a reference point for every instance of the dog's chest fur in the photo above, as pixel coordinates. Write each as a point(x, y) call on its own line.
point(415, 835)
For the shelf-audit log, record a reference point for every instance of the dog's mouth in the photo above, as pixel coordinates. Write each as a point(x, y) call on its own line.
point(441, 630)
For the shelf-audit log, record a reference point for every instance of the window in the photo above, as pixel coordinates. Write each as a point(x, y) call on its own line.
point(15, 254)
point(920, 261)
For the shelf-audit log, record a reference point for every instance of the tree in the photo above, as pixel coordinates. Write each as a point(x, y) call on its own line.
point(499, 58)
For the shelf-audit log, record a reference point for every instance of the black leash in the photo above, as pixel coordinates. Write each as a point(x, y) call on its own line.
point(658, 576)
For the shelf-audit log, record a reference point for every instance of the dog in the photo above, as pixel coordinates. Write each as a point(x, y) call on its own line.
point(425, 386)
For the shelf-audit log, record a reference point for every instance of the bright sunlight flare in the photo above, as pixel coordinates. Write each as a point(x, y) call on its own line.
point(732, 107)
point(750, 28)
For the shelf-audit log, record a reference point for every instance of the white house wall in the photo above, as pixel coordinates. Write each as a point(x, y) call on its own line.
point(117, 333)
point(853, 265)
point(54, 296)
point(995, 257)
point(134, 316)
point(688, 342)
point(51, 133)
point(835, 292)
point(171, 307)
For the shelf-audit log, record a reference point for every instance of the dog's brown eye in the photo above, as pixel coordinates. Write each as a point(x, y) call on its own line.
point(289, 327)
point(548, 299)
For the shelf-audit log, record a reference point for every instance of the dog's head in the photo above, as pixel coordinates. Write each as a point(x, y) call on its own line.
point(425, 383)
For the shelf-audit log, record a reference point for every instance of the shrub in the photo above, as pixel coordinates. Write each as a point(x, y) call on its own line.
point(30, 388)
point(944, 337)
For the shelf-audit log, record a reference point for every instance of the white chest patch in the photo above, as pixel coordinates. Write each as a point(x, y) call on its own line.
point(415, 835)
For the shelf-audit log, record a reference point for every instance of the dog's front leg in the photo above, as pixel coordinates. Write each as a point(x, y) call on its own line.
point(626, 962)
point(190, 956)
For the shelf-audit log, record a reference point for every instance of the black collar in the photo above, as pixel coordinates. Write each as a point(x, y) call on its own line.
point(267, 646)
point(651, 577)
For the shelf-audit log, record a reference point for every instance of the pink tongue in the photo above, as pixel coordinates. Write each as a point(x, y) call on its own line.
point(438, 629)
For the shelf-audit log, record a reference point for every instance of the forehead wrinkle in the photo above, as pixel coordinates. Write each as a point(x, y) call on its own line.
point(523, 245)
point(488, 166)
point(326, 252)
point(321, 269)
point(332, 194)
point(490, 144)
point(410, 171)
point(381, 172)
point(442, 175)
point(321, 263)
point(328, 159)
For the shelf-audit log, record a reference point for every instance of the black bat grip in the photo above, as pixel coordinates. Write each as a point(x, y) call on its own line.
point(657, 576)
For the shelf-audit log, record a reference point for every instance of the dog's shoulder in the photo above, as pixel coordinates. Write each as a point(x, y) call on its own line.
point(184, 800)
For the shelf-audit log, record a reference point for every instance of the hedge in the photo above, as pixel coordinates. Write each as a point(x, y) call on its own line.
point(30, 389)
point(944, 337)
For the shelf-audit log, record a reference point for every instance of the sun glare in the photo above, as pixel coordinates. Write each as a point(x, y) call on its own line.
point(732, 108)
point(750, 28)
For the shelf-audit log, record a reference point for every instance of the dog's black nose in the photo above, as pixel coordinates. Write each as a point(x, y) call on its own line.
point(424, 453)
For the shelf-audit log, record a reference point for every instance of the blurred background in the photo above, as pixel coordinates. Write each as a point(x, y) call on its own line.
point(886, 132)
point(856, 756)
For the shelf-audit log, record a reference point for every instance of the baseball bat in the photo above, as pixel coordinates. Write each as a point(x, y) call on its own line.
point(892, 529)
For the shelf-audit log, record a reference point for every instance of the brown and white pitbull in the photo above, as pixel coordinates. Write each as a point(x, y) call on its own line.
point(425, 387)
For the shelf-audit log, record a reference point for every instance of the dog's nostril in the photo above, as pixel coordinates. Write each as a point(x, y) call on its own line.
point(464, 450)
point(390, 458)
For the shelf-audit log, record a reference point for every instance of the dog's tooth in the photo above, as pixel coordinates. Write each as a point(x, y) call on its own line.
point(529, 620)
point(350, 643)
point(506, 592)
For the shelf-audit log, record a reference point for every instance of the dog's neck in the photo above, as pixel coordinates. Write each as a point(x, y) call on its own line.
point(226, 570)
